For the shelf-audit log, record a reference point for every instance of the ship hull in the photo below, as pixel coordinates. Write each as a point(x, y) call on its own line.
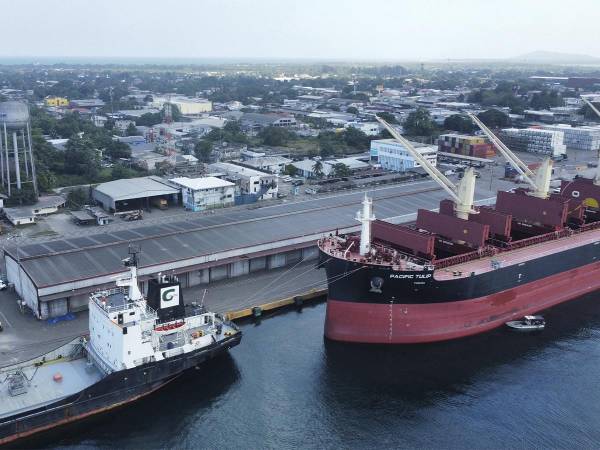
point(116, 389)
point(416, 308)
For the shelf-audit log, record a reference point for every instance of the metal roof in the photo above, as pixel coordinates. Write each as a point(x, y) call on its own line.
point(135, 188)
point(202, 183)
point(61, 261)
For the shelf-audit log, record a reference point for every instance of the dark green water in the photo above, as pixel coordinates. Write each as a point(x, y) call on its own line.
point(285, 387)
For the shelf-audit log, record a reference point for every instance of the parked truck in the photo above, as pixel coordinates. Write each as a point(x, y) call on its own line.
point(160, 203)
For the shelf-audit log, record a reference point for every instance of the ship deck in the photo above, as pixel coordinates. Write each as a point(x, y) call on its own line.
point(40, 385)
point(518, 256)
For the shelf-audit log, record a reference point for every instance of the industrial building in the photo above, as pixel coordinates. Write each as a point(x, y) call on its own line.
point(19, 216)
point(535, 140)
point(255, 122)
point(188, 106)
point(133, 193)
point(56, 277)
point(252, 184)
point(198, 194)
point(460, 144)
point(306, 167)
point(392, 155)
point(271, 164)
point(56, 101)
point(369, 128)
point(579, 138)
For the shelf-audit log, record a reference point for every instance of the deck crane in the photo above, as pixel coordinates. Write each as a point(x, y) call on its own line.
point(462, 193)
point(539, 181)
point(591, 105)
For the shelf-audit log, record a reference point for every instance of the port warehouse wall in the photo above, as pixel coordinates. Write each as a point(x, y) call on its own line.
point(57, 300)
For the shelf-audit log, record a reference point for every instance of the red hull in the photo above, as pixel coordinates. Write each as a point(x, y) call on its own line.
point(418, 323)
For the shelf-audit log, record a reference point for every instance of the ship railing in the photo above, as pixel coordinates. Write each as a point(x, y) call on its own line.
point(554, 235)
point(384, 255)
point(588, 227)
point(101, 298)
point(465, 257)
point(104, 367)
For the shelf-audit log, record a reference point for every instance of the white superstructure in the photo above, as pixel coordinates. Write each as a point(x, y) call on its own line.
point(125, 332)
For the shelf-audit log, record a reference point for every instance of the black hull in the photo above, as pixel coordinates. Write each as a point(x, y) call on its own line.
point(356, 282)
point(374, 304)
point(112, 391)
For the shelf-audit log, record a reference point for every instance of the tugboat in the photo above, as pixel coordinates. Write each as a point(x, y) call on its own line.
point(135, 346)
point(528, 323)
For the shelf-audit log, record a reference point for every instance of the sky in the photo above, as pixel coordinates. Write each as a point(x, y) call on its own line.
point(314, 29)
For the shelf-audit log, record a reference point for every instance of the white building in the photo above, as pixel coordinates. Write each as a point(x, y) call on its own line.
point(122, 124)
point(369, 128)
point(392, 155)
point(306, 168)
point(188, 106)
point(251, 182)
point(26, 214)
point(199, 194)
point(580, 138)
point(271, 164)
point(19, 216)
point(535, 140)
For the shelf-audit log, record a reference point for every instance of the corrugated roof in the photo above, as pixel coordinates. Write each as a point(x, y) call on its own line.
point(135, 188)
point(61, 261)
point(202, 183)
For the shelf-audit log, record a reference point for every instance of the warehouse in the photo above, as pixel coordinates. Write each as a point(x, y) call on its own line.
point(56, 277)
point(133, 193)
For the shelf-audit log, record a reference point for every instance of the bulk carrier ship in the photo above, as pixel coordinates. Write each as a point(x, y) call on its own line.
point(134, 347)
point(465, 269)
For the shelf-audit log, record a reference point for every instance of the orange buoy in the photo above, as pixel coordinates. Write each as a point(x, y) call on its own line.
point(57, 377)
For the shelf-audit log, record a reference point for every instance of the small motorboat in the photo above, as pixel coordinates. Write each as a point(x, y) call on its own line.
point(528, 323)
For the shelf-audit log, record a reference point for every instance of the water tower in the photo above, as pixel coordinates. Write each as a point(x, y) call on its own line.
point(16, 155)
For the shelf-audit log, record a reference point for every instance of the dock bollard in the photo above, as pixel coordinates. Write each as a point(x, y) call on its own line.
point(256, 312)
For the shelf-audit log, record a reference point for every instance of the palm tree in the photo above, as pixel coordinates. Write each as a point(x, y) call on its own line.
point(318, 169)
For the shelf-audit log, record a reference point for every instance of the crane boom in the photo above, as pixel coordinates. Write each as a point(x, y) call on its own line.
point(462, 194)
point(519, 165)
point(539, 181)
point(591, 105)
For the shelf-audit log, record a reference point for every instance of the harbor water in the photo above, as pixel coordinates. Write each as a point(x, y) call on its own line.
point(286, 387)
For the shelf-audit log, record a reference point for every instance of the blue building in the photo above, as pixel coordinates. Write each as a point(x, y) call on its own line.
point(392, 155)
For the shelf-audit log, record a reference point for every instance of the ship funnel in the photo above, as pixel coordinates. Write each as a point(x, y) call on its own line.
point(365, 217)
